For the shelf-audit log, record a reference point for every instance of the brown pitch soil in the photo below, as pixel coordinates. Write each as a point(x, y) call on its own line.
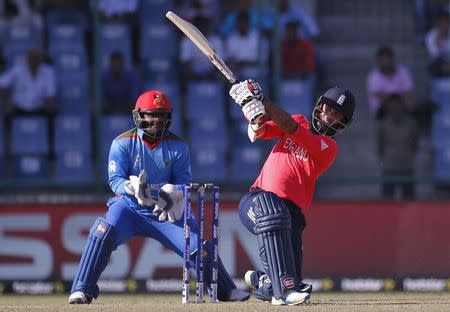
point(320, 302)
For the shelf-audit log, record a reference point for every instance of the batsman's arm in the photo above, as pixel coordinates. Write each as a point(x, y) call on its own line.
point(281, 118)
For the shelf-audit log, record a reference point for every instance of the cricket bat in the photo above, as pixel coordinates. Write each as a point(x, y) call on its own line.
point(202, 43)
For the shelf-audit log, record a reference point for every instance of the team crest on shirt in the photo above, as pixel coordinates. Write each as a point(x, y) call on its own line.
point(298, 151)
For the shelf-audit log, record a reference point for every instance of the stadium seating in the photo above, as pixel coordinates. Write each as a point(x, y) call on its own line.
point(30, 168)
point(246, 162)
point(239, 133)
point(441, 128)
point(151, 10)
point(115, 37)
point(68, 62)
point(29, 136)
point(73, 93)
point(157, 40)
point(246, 157)
point(209, 132)
point(66, 37)
point(111, 127)
point(56, 17)
point(208, 164)
point(440, 92)
point(297, 97)
point(205, 100)
point(20, 38)
point(2, 136)
point(74, 166)
point(73, 134)
point(442, 162)
point(159, 69)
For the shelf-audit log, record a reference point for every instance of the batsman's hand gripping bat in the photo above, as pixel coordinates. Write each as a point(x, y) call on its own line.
point(203, 44)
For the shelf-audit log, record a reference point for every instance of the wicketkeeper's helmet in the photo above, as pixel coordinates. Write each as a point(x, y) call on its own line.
point(340, 100)
point(151, 102)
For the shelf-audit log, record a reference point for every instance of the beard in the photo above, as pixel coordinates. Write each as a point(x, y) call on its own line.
point(155, 132)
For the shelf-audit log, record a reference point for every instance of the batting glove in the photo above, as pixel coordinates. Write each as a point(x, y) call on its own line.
point(253, 111)
point(170, 203)
point(137, 187)
point(244, 92)
point(255, 131)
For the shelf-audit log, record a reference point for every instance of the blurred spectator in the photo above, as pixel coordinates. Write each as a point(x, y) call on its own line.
point(297, 53)
point(120, 87)
point(31, 85)
point(386, 78)
point(25, 12)
point(256, 19)
point(118, 9)
point(194, 63)
point(426, 11)
point(306, 27)
point(243, 49)
point(397, 140)
point(437, 42)
point(189, 10)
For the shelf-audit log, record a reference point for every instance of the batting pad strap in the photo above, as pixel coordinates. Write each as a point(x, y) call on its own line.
point(279, 221)
point(99, 246)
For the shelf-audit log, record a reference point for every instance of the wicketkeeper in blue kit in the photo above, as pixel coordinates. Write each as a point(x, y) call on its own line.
point(148, 165)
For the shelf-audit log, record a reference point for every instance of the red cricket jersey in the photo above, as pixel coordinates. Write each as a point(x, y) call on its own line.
point(295, 162)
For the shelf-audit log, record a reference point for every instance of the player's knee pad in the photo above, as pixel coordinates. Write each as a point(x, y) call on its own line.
point(224, 282)
point(273, 229)
point(100, 244)
point(271, 213)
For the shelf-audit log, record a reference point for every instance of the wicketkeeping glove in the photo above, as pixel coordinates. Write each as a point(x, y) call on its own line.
point(170, 203)
point(137, 186)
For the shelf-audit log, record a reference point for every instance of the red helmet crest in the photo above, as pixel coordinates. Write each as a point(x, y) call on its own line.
point(153, 100)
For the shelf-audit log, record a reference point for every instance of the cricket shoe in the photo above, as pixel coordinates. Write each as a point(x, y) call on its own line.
point(78, 297)
point(306, 288)
point(262, 287)
point(260, 283)
point(291, 298)
point(255, 279)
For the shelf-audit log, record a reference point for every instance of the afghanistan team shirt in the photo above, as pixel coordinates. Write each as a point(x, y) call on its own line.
point(295, 162)
point(167, 161)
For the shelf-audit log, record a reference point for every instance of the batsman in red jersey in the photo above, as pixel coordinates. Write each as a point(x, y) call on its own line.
point(273, 208)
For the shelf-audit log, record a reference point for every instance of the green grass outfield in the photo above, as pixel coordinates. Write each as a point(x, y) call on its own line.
point(399, 301)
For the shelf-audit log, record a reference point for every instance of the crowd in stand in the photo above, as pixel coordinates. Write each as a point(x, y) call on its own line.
point(48, 71)
point(403, 119)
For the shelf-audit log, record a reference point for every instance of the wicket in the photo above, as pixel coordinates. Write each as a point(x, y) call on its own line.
point(215, 193)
